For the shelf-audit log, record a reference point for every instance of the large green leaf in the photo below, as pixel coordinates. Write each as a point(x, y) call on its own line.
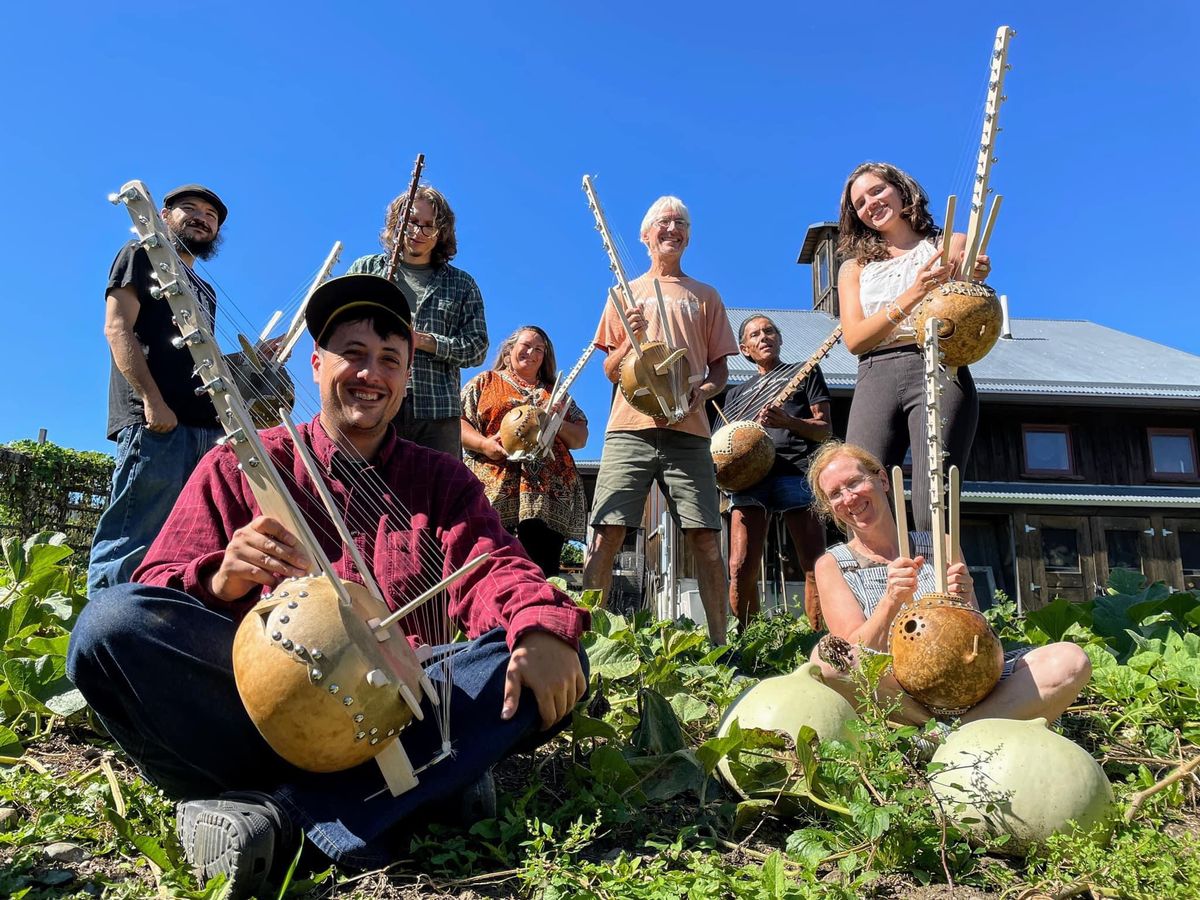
point(688, 708)
point(715, 749)
point(659, 730)
point(1053, 619)
point(669, 775)
point(587, 727)
point(1126, 581)
point(10, 744)
point(609, 767)
point(610, 658)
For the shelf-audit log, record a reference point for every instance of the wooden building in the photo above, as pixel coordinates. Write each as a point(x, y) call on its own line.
point(1085, 459)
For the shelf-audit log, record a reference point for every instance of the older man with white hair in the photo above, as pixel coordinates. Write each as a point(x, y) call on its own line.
point(640, 449)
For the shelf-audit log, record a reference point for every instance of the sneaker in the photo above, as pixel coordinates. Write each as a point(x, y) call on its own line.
point(478, 801)
point(235, 835)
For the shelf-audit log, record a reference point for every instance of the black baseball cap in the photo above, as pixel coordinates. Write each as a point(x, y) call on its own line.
point(198, 190)
point(356, 293)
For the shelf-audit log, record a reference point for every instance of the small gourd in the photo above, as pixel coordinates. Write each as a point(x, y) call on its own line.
point(1017, 777)
point(787, 703)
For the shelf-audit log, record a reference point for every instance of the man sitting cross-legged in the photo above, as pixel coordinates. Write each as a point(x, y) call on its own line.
point(153, 658)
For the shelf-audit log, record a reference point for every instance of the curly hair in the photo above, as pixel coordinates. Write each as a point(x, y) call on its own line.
point(443, 217)
point(828, 452)
point(858, 241)
point(548, 370)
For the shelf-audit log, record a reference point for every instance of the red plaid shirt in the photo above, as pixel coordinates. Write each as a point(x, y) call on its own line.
point(445, 507)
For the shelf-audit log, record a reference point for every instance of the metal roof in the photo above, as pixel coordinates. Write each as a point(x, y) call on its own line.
point(1045, 358)
point(1122, 495)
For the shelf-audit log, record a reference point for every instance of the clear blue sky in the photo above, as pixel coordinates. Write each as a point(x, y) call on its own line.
point(306, 119)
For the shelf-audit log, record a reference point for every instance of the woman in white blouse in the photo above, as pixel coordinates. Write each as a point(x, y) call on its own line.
point(890, 246)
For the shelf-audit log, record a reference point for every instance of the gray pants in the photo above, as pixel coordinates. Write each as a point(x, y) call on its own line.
point(887, 417)
point(436, 434)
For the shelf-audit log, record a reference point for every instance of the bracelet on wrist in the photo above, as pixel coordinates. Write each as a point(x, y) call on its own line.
point(894, 313)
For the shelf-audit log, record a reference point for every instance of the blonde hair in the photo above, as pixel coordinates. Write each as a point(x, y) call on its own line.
point(821, 461)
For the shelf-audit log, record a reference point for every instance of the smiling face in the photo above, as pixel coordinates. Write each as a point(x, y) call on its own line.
point(857, 498)
point(195, 223)
point(362, 379)
point(525, 357)
point(760, 342)
point(876, 202)
point(667, 235)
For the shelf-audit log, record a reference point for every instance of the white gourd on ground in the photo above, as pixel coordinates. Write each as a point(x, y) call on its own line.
point(787, 703)
point(1014, 777)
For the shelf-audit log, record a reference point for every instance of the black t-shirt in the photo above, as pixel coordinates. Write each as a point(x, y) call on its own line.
point(171, 368)
point(791, 450)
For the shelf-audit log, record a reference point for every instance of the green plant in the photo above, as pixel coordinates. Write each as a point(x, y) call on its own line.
point(40, 597)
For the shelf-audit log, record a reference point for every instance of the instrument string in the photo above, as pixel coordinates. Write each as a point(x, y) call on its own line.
point(432, 616)
point(763, 392)
point(308, 403)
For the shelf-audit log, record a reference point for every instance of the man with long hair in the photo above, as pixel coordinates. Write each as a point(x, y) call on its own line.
point(160, 424)
point(449, 331)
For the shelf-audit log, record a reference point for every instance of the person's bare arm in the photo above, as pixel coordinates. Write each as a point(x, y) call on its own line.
point(862, 334)
point(475, 442)
point(573, 434)
point(120, 314)
point(815, 427)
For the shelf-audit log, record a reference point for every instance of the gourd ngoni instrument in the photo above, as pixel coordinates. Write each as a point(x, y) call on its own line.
point(969, 311)
point(944, 653)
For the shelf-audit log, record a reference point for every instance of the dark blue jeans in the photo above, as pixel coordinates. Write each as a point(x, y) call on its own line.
point(156, 666)
point(151, 470)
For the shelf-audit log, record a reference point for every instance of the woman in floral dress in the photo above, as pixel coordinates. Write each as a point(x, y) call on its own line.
point(541, 501)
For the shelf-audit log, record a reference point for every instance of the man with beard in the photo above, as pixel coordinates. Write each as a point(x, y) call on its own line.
point(638, 449)
point(160, 424)
point(449, 330)
point(797, 427)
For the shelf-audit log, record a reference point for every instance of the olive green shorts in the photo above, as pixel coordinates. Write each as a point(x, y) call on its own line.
point(680, 463)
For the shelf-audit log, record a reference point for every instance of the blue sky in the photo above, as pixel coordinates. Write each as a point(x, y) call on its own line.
point(306, 120)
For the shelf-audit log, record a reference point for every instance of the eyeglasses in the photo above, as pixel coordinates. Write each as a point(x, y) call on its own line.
point(427, 230)
point(853, 486)
point(666, 222)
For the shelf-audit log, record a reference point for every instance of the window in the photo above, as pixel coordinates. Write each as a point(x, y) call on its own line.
point(824, 267)
point(1173, 453)
point(1189, 556)
point(1060, 549)
point(1122, 549)
point(1048, 450)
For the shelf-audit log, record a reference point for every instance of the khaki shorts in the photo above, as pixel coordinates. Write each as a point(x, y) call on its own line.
point(680, 463)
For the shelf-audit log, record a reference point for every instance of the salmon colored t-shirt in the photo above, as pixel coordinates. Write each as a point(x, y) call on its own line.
point(698, 321)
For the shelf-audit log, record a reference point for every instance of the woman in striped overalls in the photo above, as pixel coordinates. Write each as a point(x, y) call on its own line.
point(863, 583)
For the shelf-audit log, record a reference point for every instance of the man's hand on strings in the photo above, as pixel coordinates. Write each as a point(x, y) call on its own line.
point(262, 553)
point(269, 349)
point(637, 321)
point(773, 416)
point(550, 668)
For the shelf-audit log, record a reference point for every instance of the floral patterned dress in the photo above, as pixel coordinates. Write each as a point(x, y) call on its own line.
point(548, 489)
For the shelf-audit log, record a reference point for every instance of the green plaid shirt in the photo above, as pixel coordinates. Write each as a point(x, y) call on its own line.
point(451, 312)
